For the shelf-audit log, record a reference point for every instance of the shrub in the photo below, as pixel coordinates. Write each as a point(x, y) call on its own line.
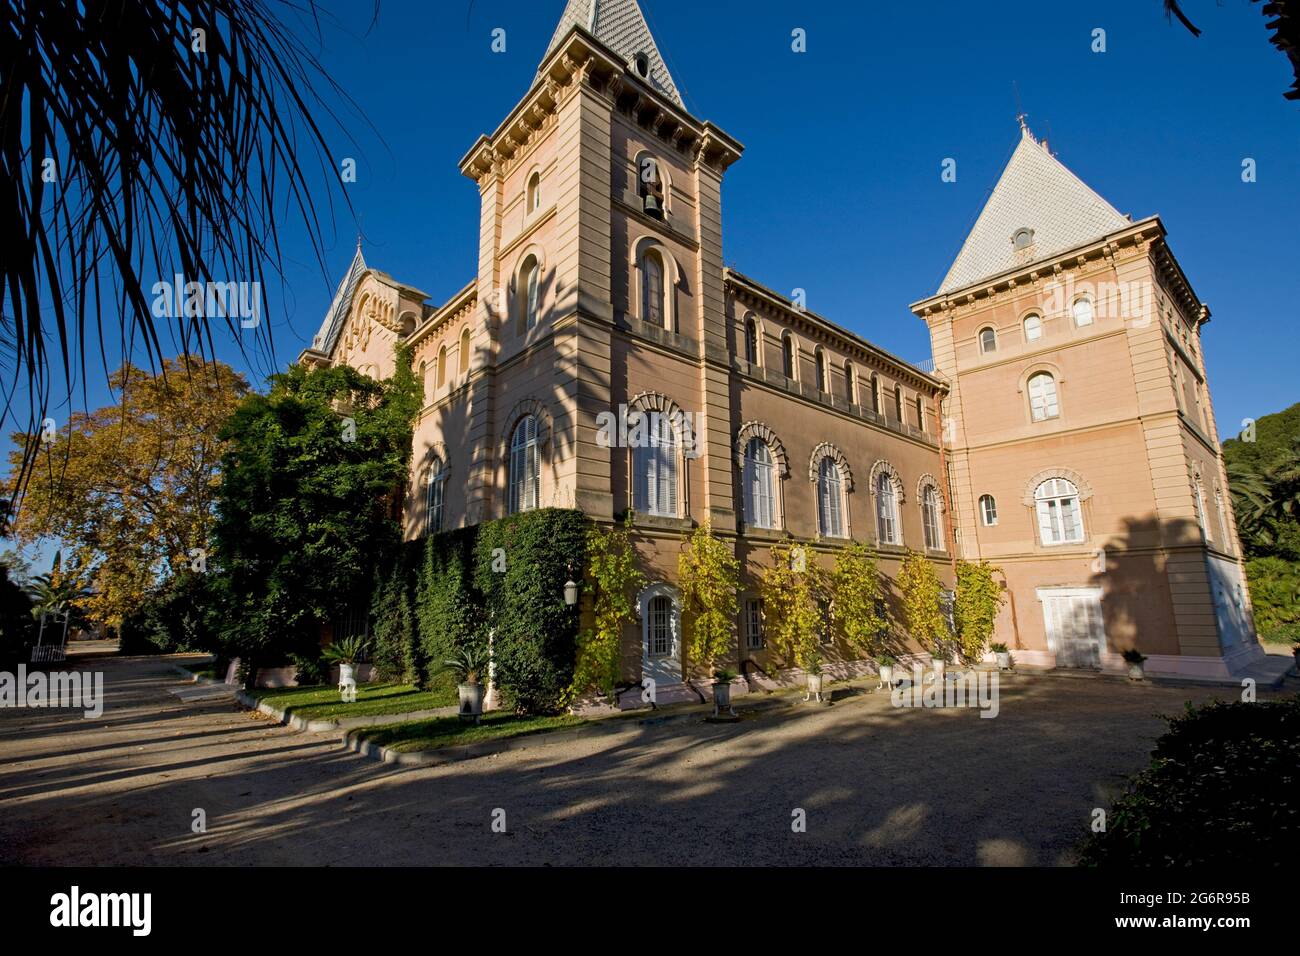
point(1275, 595)
point(709, 576)
point(396, 651)
point(857, 598)
point(17, 626)
point(308, 669)
point(612, 579)
point(794, 591)
point(922, 612)
point(449, 611)
point(976, 606)
point(521, 565)
point(1223, 789)
point(176, 616)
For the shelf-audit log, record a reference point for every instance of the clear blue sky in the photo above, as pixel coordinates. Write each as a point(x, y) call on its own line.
point(839, 190)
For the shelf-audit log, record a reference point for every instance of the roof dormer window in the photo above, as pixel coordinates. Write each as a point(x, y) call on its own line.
point(641, 63)
point(1022, 238)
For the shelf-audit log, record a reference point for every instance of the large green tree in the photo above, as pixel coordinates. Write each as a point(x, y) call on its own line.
point(309, 503)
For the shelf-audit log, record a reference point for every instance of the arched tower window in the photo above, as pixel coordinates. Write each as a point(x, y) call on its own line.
point(652, 289)
point(655, 467)
point(434, 484)
point(788, 366)
point(525, 479)
point(751, 341)
point(534, 194)
point(651, 186)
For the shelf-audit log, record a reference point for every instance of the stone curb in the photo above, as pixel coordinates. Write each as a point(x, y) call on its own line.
point(336, 726)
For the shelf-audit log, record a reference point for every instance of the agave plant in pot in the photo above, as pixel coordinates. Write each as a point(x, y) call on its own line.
point(468, 664)
point(1002, 654)
point(1134, 659)
point(885, 664)
point(347, 652)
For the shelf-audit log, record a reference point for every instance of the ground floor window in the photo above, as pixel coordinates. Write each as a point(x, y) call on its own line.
point(754, 639)
point(661, 627)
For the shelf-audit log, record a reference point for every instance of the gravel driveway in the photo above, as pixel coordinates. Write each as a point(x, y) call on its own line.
point(878, 785)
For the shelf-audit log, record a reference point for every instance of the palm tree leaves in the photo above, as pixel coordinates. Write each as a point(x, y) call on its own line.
point(135, 149)
point(1265, 497)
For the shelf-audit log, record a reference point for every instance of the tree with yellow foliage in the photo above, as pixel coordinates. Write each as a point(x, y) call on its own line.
point(129, 489)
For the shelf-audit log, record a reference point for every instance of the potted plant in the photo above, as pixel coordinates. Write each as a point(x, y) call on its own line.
point(1134, 658)
point(1002, 654)
point(814, 679)
point(885, 665)
point(347, 652)
point(722, 679)
point(467, 664)
point(938, 661)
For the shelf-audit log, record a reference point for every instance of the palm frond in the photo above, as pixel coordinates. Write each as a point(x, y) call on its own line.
point(134, 149)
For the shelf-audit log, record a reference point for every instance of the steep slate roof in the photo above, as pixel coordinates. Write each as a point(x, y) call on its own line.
point(1035, 191)
point(338, 310)
point(620, 25)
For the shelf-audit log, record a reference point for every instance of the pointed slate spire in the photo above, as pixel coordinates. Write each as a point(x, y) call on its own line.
point(338, 310)
point(621, 26)
point(1035, 192)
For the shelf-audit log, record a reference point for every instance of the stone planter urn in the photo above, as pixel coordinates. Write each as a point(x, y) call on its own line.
point(347, 674)
point(722, 697)
point(1135, 670)
point(814, 687)
point(938, 669)
point(471, 701)
point(886, 675)
point(1003, 658)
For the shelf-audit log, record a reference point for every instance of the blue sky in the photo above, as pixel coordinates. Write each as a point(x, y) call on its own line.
point(839, 190)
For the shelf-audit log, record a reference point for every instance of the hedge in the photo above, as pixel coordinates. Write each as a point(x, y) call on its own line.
point(504, 577)
point(1223, 789)
point(448, 609)
point(536, 639)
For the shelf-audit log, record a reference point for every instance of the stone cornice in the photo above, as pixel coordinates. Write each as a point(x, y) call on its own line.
point(750, 293)
point(460, 305)
point(579, 61)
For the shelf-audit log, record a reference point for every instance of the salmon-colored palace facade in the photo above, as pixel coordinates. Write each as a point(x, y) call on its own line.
point(1065, 433)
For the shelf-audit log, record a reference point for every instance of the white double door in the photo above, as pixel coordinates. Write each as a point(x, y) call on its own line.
point(1076, 633)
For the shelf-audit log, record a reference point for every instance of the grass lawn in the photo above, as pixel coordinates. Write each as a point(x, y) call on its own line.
point(373, 700)
point(452, 731)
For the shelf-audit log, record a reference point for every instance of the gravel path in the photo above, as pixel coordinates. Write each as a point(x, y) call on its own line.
point(878, 785)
